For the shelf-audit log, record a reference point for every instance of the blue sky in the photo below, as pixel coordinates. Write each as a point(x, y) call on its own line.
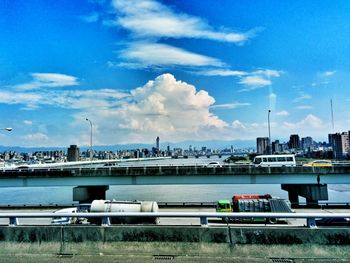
point(180, 70)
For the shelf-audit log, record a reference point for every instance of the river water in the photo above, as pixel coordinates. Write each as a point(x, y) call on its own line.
point(164, 193)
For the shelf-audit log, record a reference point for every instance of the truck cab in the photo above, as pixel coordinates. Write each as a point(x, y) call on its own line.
point(253, 203)
point(223, 206)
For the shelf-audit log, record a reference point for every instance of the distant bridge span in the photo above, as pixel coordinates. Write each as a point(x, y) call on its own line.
point(309, 182)
point(170, 174)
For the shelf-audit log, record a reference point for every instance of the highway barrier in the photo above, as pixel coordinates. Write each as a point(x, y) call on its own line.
point(203, 216)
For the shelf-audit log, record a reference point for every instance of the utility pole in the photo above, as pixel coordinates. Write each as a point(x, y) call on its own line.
point(268, 120)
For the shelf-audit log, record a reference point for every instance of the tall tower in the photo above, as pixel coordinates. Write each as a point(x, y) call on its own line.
point(73, 153)
point(157, 145)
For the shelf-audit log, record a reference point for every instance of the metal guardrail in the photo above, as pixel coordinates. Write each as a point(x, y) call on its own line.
point(203, 216)
point(321, 204)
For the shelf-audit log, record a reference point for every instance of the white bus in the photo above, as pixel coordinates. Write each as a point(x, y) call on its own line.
point(274, 160)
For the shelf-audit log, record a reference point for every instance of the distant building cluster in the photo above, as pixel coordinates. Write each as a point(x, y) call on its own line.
point(337, 146)
point(74, 153)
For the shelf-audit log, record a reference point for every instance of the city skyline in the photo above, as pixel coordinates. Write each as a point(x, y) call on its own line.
point(180, 70)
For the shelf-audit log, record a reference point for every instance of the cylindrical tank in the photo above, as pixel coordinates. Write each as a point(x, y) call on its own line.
point(125, 206)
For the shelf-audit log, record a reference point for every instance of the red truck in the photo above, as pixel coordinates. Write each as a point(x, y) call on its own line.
point(254, 203)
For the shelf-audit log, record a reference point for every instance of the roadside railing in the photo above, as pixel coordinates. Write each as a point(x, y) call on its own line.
point(203, 216)
point(320, 204)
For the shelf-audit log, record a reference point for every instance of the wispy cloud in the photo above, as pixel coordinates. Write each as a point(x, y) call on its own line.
point(221, 72)
point(37, 138)
point(91, 18)
point(151, 19)
point(258, 79)
point(48, 80)
point(143, 55)
point(282, 113)
point(323, 78)
point(250, 80)
point(69, 99)
point(27, 122)
point(229, 105)
point(304, 107)
point(328, 73)
point(254, 82)
point(149, 22)
point(302, 96)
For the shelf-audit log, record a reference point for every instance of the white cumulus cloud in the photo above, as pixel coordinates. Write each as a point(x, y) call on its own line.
point(165, 107)
point(310, 122)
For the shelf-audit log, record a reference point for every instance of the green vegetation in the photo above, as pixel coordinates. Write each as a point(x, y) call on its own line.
point(178, 251)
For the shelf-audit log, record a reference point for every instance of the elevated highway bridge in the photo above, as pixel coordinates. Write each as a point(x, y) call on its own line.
point(92, 182)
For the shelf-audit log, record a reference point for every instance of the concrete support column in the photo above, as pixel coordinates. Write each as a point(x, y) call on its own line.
point(86, 194)
point(311, 192)
point(293, 194)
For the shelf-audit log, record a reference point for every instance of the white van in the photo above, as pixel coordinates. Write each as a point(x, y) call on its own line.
point(274, 160)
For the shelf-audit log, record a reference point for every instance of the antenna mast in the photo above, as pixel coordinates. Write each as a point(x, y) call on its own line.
point(332, 115)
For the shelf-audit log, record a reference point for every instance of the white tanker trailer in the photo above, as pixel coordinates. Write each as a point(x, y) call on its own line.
point(124, 206)
point(100, 206)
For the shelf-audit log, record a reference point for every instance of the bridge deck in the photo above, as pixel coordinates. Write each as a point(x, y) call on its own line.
point(156, 175)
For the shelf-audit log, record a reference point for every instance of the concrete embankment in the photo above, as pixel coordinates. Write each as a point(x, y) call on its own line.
point(179, 243)
point(232, 235)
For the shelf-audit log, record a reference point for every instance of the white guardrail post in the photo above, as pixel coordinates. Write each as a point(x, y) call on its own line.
point(106, 221)
point(311, 223)
point(204, 221)
point(13, 221)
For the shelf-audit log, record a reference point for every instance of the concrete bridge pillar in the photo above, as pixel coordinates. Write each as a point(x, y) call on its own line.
point(86, 194)
point(311, 192)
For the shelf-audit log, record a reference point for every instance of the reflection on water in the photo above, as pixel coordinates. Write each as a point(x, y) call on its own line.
point(181, 193)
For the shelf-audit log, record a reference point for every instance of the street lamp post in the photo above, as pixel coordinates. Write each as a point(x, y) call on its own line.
point(90, 138)
point(268, 120)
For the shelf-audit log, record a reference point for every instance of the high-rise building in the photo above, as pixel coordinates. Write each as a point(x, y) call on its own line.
point(345, 143)
point(349, 142)
point(307, 143)
point(73, 153)
point(262, 145)
point(339, 143)
point(294, 141)
point(276, 147)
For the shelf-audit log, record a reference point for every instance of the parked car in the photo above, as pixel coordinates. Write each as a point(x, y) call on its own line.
point(319, 163)
point(213, 164)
